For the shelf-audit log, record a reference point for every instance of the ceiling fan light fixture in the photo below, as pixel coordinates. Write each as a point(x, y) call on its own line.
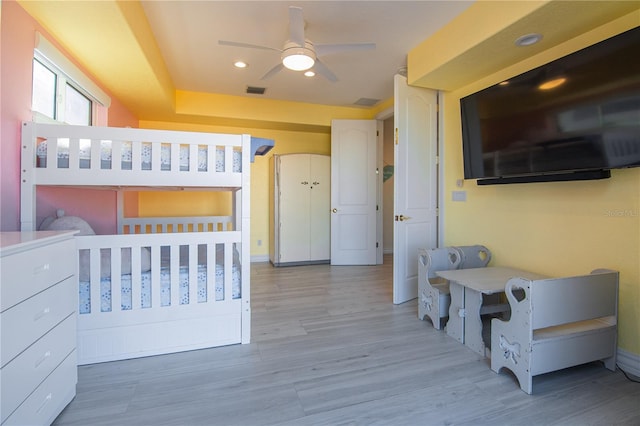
point(298, 58)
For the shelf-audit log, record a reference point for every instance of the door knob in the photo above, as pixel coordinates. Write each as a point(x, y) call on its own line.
point(335, 210)
point(402, 218)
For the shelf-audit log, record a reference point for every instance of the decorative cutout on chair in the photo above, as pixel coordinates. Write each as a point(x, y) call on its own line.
point(510, 350)
point(427, 301)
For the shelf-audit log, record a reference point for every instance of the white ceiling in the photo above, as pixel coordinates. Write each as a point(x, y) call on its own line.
point(187, 33)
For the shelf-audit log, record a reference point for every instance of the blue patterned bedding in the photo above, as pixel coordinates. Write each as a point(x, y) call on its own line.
point(126, 156)
point(165, 289)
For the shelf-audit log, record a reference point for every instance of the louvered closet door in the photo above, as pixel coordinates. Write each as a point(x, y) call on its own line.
point(294, 207)
point(320, 200)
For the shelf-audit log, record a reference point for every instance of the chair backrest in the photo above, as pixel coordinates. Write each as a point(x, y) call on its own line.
point(442, 259)
point(477, 256)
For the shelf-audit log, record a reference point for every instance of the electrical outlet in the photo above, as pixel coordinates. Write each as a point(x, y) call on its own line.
point(259, 243)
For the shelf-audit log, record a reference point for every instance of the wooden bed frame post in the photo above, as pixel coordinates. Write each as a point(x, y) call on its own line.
point(27, 189)
point(245, 227)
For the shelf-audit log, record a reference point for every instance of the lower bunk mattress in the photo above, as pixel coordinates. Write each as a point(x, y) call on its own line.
point(126, 297)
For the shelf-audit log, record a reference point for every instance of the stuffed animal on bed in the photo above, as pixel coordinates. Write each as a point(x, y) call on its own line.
point(63, 223)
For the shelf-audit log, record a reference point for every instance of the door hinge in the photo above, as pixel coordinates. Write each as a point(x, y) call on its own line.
point(376, 244)
point(377, 207)
point(377, 132)
point(396, 136)
point(437, 160)
point(437, 212)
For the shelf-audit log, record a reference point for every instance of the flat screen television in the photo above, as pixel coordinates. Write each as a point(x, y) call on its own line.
point(586, 125)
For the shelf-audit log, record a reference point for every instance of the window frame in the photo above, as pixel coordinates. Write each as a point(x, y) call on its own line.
point(67, 73)
point(62, 80)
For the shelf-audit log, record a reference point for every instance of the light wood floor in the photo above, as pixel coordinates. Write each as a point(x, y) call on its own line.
point(330, 348)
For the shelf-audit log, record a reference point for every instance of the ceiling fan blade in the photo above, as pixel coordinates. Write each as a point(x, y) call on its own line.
point(247, 45)
point(273, 71)
point(327, 49)
point(296, 26)
point(322, 69)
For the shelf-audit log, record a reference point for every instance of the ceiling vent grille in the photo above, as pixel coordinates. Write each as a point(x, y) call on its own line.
point(366, 102)
point(253, 90)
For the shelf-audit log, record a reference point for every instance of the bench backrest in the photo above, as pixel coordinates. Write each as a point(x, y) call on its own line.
point(477, 256)
point(559, 301)
point(441, 259)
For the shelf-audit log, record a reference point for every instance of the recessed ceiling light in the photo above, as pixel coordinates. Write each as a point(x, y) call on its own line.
point(528, 39)
point(240, 64)
point(504, 83)
point(309, 73)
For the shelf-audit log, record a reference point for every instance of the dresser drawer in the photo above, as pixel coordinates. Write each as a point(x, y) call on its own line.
point(25, 372)
point(23, 324)
point(29, 272)
point(49, 399)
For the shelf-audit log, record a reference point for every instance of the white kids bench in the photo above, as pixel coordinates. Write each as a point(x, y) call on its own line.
point(560, 323)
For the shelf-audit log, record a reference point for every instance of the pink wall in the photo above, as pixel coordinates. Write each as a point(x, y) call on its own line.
point(17, 42)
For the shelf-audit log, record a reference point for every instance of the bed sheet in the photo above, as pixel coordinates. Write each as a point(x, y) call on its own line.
point(165, 288)
point(165, 156)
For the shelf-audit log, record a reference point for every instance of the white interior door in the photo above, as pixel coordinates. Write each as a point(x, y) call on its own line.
point(415, 179)
point(320, 211)
point(353, 192)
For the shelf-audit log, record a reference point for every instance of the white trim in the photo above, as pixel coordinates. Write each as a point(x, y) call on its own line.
point(53, 55)
point(441, 165)
point(260, 258)
point(629, 362)
point(384, 114)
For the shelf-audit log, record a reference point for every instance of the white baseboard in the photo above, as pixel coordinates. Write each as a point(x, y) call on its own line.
point(260, 258)
point(629, 362)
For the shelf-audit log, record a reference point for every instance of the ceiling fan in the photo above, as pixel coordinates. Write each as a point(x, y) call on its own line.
point(300, 54)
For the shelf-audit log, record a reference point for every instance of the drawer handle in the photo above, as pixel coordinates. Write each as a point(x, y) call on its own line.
point(45, 402)
point(42, 313)
point(39, 269)
point(43, 358)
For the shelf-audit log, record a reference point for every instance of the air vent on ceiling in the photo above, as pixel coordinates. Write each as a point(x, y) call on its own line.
point(366, 102)
point(252, 90)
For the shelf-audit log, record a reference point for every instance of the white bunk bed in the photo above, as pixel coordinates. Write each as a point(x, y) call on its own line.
point(161, 285)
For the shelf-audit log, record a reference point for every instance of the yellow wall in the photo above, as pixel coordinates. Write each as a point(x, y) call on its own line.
point(558, 228)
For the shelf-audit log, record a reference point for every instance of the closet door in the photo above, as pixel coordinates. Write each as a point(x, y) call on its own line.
point(294, 208)
point(320, 201)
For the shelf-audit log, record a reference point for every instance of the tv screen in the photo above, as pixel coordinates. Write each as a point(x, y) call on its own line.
point(579, 113)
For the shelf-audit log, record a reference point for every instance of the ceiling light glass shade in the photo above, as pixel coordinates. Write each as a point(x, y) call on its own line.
point(298, 58)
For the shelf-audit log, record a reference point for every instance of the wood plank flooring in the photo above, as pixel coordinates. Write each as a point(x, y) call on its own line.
point(329, 348)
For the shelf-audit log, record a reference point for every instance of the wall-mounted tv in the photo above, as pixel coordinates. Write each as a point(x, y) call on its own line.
point(581, 128)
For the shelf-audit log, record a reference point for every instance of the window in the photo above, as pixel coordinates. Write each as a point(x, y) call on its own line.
point(56, 97)
point(61, 91)
point(77, 107)
point(44, 90)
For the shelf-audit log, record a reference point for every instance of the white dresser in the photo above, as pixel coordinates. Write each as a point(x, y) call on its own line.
point(38, 299)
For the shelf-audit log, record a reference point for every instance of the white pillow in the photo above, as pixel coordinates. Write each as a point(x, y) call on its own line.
point(63, 223)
